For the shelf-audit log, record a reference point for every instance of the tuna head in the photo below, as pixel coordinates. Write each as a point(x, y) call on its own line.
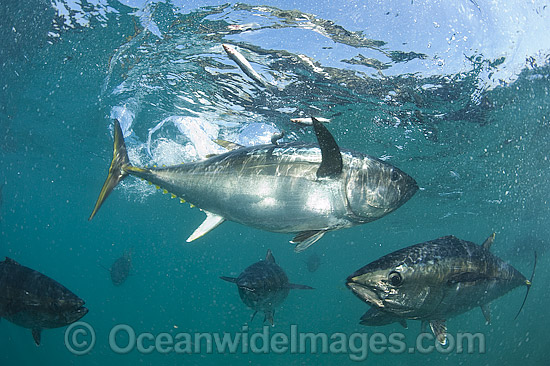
point(64, 311)
point(389, 284)
point(375, 188)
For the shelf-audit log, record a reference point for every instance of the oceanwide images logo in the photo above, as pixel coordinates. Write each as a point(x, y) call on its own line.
point(80, 339)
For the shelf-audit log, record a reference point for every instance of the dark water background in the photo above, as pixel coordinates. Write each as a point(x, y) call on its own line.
point(450, 94)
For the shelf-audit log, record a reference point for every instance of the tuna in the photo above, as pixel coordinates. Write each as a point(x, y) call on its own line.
point(263, 286)
point(120, 270)
point(301, 188)
point(35, 301)
point(313, 262)
point(434, 281)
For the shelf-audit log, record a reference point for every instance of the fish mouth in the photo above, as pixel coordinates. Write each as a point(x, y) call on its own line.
point(77, 314)
point(365, 293)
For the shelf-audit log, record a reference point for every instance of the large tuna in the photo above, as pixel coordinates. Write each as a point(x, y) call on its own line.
point(32, 300)
point(298, 188)
point(432, 282)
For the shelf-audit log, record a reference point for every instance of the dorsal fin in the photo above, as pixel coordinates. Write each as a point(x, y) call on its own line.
point(9, 260)
point(269, 257)
point(331, 164)
point(488, 242)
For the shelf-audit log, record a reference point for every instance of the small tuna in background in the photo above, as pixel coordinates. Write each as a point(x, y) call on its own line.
point(35, 301)
point(263, 286)
point(313, 262)
point(434, 281)
point(120, 269)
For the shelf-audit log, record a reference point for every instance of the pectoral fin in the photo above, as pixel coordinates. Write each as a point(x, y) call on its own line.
point(439, 329)
point(36, 335)
point(377, 317)
point(211, 222)
point(294, 286)
point(305, 239)
point(466, 277)
point(229, 279)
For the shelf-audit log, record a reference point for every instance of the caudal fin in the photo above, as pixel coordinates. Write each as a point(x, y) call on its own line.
point(528, 283)
point(116, 171)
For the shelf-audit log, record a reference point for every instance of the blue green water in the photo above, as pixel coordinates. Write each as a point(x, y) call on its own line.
point(454, 95)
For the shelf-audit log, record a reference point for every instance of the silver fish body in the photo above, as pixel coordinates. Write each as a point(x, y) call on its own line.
point(433, 281)
point(275, 188)
point(289, 188)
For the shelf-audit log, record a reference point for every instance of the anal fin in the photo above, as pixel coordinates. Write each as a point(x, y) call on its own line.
point(305, 239)
point(210, 223)
point(439, 329)
point(269, 316)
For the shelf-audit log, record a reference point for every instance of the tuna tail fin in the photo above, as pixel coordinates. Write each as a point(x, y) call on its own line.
point(528, 283)
point(116, 171)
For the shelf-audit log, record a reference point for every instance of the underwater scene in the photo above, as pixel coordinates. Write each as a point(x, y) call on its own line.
point(274, 182)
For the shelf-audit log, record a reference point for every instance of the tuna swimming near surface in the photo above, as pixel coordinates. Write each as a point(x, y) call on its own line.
point(434, 281)
point(35, 301)
point(301, 188)
point(264, 286)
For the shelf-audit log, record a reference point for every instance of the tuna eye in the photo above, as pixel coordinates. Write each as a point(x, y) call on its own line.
point(394, 175)
point(395, 278)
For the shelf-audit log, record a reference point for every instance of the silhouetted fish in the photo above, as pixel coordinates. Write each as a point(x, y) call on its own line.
point(35, 301)
point(313, 262)
point(264, 286)
point(120, 270)
point(434, 281)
